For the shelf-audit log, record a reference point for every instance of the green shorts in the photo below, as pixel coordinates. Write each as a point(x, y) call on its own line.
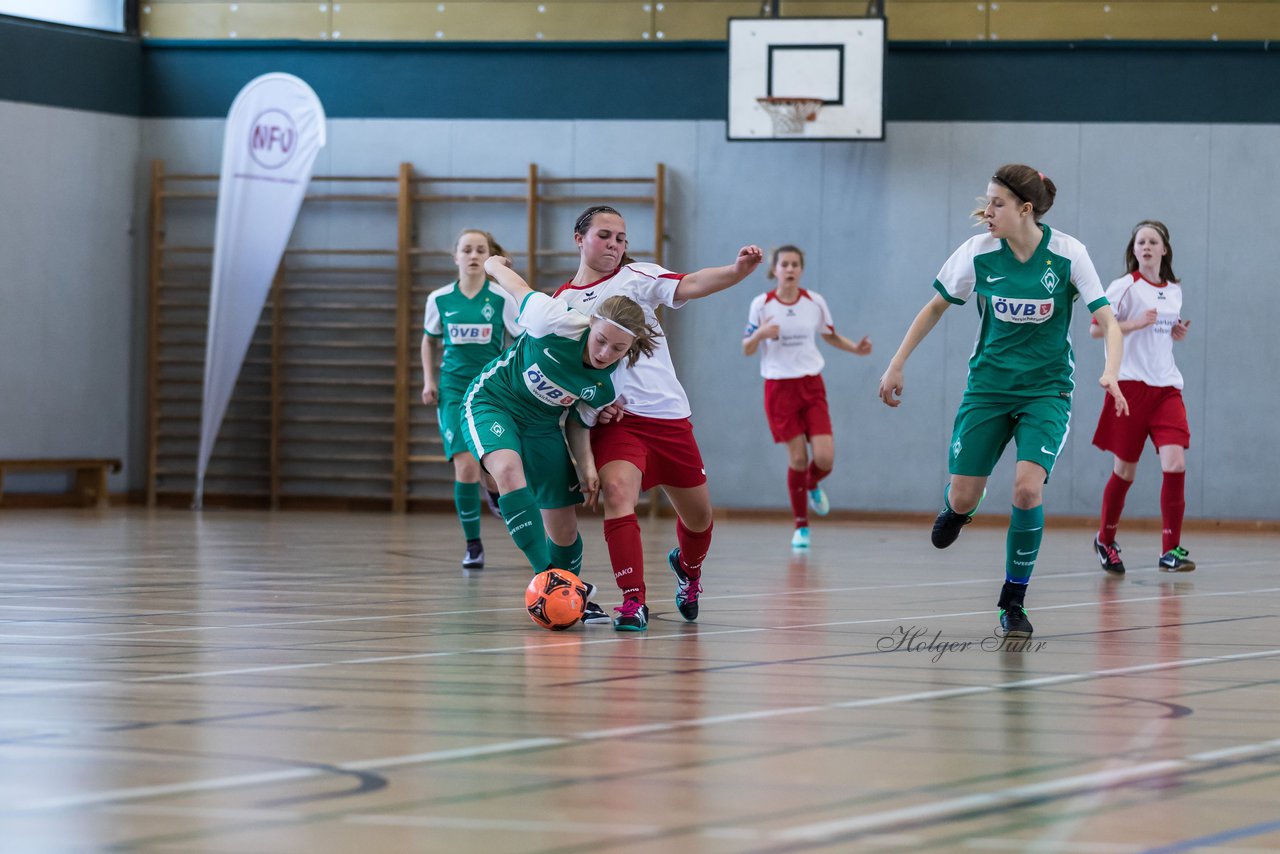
point(548, 468)
point(449, 417)
point(1038, 426)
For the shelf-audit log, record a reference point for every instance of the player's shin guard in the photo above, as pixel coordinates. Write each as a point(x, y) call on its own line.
point(1173, 505)
point(798, 493)
point(524, 523)
point(694, 546)
point(626, 555)
point(1022, 543)
point(566, 557)
point(466, 499)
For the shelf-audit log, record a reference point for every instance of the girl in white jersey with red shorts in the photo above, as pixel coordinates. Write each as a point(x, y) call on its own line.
point(1148, 304)
point(781, 325)
point(649, 441)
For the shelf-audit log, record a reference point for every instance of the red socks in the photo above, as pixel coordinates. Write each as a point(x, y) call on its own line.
point(693, 547)
point(798, 490)
point(626, 554)
point(1173, 504)
point(1112, 506)
point(815, 475)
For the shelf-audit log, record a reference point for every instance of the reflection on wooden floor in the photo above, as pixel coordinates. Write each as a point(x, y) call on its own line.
point(239, 681)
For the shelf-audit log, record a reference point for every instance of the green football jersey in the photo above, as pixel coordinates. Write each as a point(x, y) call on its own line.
point(472, 329)
point(1023, 347)
point(542, 374)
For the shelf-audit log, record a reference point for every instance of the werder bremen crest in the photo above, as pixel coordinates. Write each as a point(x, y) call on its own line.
point(588, 394)
point(1049, 279)
point(487, 311)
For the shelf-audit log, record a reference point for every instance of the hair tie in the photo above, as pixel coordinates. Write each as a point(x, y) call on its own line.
point(1041, 174)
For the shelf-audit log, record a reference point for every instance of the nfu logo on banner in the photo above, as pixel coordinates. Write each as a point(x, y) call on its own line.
point(273, 139)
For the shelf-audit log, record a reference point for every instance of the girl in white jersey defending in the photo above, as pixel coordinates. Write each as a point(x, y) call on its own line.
point(1025, 277)
point(649, 441)
point(781, 325)
point(1148, 304)
point(466, 319)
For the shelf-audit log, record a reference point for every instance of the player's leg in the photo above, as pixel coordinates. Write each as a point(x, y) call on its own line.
point(978, 438)
point(1173, 505)
point(1123, 437)
point(817, 426)
point(1172, 437)
point(823, 460)
point(798, 488)
point(466, 499)
point(519, 506)
point(1113, 496)
point(694, 523)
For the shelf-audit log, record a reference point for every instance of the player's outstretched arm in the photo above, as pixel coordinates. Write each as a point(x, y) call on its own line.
point(710, 280)
point(499, 269)
point(430, 382)
point(861, 348)
point(578, 437)
point(926, 319)
point(1115, 352)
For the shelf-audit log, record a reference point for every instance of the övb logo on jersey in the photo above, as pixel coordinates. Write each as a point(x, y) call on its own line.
point(545, 390)
point(470, 333)
point(1022, 310)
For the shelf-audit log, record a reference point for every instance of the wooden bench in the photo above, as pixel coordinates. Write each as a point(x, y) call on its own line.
point(89, 487)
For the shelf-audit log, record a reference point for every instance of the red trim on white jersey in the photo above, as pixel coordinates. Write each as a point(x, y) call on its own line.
point(570, 286)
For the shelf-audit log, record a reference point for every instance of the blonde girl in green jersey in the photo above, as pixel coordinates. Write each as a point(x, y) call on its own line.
point(1025, 277)
point(560, 370)
point(466, 324)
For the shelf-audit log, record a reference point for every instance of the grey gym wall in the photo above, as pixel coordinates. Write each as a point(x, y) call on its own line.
point(877, 221)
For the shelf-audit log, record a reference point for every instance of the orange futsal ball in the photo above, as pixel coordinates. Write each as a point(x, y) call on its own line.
point(555, 599)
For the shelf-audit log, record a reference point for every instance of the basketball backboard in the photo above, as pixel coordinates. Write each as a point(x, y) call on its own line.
point(837, 60)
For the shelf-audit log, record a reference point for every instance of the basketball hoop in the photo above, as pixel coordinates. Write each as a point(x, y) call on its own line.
point(789, 115)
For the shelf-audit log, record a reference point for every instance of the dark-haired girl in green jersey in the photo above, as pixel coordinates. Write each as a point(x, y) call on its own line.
point(1025, 277)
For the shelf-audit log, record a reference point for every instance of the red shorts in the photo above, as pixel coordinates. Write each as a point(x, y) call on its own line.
point(797, 407)
point(1155, 411)
point(662, 448)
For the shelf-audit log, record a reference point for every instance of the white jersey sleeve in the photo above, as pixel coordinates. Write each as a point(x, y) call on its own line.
point(431, 323)
point(1084, 276)
point(510, 314)
point(542, 315)
point(957, 277)
point(827, 324)
point(655, 285)
point(754, 316)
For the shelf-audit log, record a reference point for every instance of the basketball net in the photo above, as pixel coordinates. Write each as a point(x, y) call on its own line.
point(789, 115)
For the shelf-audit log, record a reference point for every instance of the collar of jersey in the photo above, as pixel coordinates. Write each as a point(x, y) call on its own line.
point(571, 286)
point(1043, 244)
point(1137, 274)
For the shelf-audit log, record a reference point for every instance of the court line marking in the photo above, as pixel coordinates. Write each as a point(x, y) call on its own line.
point(27, 688)
point(460, 823)
point(883, 819)
point(1010, 797)
point(426, 614)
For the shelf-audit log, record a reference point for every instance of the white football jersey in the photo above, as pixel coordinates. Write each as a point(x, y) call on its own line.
point(650, 387)
point(794, 353)
point(1148, 352)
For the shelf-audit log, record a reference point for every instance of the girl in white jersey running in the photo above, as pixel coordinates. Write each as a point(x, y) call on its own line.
point(1148, 304)
point(1025, 278)
point(649, 441)
point(781, 325)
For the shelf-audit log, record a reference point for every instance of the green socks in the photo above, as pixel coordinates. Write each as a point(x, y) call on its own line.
point(466, 498)
point(1022, 543)
point(524, 523)
point(566, 557)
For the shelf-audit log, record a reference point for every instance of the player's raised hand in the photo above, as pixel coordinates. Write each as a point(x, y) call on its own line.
point(749, 257)
point(891, 386)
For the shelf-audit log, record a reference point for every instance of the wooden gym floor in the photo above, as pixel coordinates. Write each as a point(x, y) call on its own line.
point(239, 681)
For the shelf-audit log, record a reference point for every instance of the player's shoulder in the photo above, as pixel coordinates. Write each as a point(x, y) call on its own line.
point(641, 270)
point(812, 296)
point(500, 292)
point(443, 291)
point(1124, 282)
point(979, 244)
point(1061, 243)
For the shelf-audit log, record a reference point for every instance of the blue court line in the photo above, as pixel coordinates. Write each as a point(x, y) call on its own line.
point(1216, 838)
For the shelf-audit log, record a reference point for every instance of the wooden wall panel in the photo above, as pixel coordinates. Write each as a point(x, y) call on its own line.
point(1056, 20)
point(493, 20)
point(695, 20)
point(261, 19)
